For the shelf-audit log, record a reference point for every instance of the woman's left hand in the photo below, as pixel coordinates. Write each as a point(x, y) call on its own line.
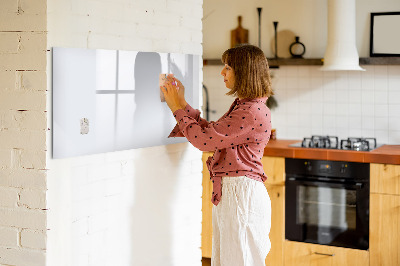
point(171, 95)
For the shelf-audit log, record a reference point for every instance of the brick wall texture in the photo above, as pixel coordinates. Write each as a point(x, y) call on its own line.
point(106, 209)
point(23, 59)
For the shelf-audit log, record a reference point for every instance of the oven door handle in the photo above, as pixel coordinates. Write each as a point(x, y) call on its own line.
point(357, 185)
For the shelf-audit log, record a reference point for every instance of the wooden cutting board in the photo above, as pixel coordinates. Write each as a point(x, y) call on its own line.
point(239, 35)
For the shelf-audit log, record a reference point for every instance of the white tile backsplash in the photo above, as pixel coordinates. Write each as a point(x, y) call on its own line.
point(346, 103)
point(291, 71)
point(381, 110)
point(316, 82)
point(381, 83)
point(394, 123)
point(304, 82)
point(342, 96)
point(342, 109)
point(354, 132)
point(381, 97)
point(304, 72)
point(394, 82)
point(342, 80)
point(342, 123)
point(329, 109)
point(394, 97)
point(382, 136)
point(367, 83)
point(355, 109)
point(380, 71)
point(382, 123)
point(368, 123)
point(394, 110)
point(367, 109)
point(367, 96)
point(292, 83)
point(394, 136)
point(354, 81)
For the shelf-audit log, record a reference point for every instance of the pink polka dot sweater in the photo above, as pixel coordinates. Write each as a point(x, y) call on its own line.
point(238, 139)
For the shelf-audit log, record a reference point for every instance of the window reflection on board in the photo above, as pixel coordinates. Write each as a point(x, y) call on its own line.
point(118, 92)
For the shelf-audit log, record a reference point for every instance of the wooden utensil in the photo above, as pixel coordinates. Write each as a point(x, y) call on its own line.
point(239, 35)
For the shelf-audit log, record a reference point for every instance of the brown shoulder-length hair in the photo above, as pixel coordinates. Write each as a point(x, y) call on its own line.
point(250, 66)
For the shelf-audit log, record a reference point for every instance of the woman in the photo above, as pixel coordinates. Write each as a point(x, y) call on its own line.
point(242, 208)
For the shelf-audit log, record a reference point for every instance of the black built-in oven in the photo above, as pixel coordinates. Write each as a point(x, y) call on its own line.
point(327, 202)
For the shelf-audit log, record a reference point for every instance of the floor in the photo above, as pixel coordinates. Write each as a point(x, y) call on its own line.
point(206, 261)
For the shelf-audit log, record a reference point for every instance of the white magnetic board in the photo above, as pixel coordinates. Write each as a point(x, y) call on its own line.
point(109, 100)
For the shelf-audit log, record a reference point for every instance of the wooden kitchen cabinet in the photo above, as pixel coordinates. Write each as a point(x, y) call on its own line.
point(277, 233)
point(274, 168)
point(305, 254)
point(384, 236)
point(206, 225)
point(385, 178)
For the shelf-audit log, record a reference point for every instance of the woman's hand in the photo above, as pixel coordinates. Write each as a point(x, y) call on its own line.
point(171, 95)
point(181, 92)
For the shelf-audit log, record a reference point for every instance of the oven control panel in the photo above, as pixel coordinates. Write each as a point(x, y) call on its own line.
point(338, 169)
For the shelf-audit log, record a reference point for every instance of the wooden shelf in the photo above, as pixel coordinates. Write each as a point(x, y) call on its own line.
point(273, 63)
point(295, 62)
point(380, 61)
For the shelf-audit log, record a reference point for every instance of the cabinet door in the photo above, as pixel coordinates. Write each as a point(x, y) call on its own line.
point(277, 233)
point(385, 178)
point(304, 254)
point(274, 168)
point(384, 229)
point(206, 232)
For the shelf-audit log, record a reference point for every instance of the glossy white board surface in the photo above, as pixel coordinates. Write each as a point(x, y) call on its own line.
point(109, 100)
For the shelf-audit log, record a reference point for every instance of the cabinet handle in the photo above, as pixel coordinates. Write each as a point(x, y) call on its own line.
point(325, 254)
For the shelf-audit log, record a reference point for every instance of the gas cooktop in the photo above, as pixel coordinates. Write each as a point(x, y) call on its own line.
point(332, 142)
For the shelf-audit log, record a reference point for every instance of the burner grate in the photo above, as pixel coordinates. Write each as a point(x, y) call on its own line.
point(358, 144)
point(327, 142)
point(332, 142)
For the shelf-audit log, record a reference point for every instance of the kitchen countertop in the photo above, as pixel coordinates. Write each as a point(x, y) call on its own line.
point(389, 154)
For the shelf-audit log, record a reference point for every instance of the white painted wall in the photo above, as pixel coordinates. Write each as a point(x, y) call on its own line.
point(134, 207)
point(23, 133)
point(305, 18)
point(311, 102)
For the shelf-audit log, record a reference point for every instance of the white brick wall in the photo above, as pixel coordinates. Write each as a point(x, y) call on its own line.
point(101, 198)
point(33, 239)
point(23, 126)
point(9, 237)
point(135, 207)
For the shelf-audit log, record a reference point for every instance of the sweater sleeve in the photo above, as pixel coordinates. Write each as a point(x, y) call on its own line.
point(229, 131)
point(193, 113)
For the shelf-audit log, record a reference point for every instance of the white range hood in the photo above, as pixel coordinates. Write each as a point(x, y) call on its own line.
point(341, 51)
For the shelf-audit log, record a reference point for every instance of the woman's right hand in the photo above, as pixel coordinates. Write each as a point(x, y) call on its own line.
point(181, 91)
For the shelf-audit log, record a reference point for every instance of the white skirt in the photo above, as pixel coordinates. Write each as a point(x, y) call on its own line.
point(241, 223)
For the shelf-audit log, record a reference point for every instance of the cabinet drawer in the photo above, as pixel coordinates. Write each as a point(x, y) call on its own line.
point(305, 254)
